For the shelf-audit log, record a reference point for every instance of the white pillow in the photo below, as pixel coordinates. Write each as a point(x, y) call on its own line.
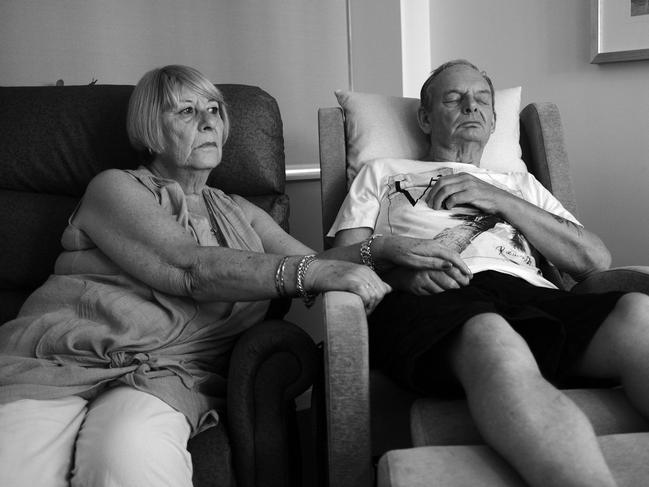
point(386, 126)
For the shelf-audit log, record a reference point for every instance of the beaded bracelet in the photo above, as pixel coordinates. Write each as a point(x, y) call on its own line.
point(302, 267)
point(279, 278)
point(366, 251)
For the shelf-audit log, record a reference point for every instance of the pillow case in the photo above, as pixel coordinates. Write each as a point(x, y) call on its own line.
point(386, 126)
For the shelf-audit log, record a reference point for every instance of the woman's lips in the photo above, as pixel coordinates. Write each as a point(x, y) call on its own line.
point(207, 145)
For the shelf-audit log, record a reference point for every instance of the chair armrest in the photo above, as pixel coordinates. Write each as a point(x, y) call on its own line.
point(544, 152)
point(271, 364)
point(347, 397)
point(628, 279)
point(333, 177)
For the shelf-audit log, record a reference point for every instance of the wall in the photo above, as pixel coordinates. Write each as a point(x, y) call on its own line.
point(544, 46)
point(415, 45)
point(295, 49)
point(376, 46)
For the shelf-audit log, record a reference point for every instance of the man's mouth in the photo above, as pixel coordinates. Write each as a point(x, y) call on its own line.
point(471, 123)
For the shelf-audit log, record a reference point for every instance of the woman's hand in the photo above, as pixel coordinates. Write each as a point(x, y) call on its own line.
point(417, 253)
point(335, 275)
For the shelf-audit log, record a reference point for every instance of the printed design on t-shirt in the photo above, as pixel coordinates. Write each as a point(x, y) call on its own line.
point(459, 237)
point(414, 186)
point(465, 229)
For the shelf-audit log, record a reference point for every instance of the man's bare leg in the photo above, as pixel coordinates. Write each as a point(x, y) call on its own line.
point(534, 426)
point(620, 349)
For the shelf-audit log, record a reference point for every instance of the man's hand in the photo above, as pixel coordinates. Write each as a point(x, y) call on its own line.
point(568, 246)
point(417, 253)
point(465, 189)
point(425, 282)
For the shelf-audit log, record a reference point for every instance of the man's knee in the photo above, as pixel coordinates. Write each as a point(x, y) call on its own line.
point(626, 330)
point(633, 308)
point(627, 327)
point(488, 346)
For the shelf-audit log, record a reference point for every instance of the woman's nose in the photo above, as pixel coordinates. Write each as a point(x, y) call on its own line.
point(208, 120)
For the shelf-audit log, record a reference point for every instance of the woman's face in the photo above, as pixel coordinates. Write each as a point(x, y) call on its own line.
point(193, 132)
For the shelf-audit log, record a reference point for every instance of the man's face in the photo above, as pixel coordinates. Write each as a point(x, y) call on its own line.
point(461, 108)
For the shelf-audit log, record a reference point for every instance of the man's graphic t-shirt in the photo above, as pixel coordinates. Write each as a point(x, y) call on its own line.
point(389, 196)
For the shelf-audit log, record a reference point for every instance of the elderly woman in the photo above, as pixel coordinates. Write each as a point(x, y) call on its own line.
point(121, 355)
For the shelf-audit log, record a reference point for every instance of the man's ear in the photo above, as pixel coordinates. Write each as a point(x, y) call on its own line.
point(424, 120)
point(493, 122)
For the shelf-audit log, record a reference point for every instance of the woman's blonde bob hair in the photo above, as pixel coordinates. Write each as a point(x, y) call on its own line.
point(157, 92)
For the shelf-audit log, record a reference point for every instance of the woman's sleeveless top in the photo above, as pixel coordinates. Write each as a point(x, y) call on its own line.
point(92, 325)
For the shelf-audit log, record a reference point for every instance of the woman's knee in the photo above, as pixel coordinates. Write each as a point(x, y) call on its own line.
point(132, 438)
point(37, 440)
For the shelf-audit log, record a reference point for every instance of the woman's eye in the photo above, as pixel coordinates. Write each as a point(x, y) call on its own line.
point(214, 109)
point(187, 111)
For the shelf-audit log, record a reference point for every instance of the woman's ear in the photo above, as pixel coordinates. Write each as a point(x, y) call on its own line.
point(424, 120)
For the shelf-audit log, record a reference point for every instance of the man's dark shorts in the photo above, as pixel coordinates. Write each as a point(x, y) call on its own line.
point(409, 334)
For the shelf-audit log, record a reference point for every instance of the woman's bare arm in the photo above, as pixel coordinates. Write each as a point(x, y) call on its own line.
point(132, 229)
point(129, 226)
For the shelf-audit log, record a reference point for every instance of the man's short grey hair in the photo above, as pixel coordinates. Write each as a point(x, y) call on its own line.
point(156, 93)
point(425, 96)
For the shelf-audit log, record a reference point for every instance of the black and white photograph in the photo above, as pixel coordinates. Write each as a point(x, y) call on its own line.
point(339, 243)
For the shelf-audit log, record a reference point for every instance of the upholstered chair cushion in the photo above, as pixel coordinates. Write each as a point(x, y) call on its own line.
point(54, 140)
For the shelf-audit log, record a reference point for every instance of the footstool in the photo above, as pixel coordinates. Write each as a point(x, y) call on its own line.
point(480, 466)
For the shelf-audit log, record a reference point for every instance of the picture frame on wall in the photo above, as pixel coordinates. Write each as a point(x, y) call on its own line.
point(619, 30)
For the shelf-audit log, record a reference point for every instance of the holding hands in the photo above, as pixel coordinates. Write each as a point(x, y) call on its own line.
point(429, 266)
point(424, 281)
point(419, 266)
point(416, 253)
point(424, 266)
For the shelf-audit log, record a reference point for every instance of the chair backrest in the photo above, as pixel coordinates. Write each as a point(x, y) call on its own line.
point(543, 151)
point(55, 139)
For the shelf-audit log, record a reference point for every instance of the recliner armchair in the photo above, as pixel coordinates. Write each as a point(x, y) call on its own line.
point(367, 414)
point(53, 140)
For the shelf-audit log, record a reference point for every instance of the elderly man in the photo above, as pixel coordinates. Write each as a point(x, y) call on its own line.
point(502, 333)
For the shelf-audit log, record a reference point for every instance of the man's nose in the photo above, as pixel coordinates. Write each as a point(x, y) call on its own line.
point(470, 106)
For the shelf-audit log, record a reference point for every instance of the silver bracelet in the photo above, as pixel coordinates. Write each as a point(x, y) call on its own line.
point(302, 267)
point(366, 251)
point(279, 278)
